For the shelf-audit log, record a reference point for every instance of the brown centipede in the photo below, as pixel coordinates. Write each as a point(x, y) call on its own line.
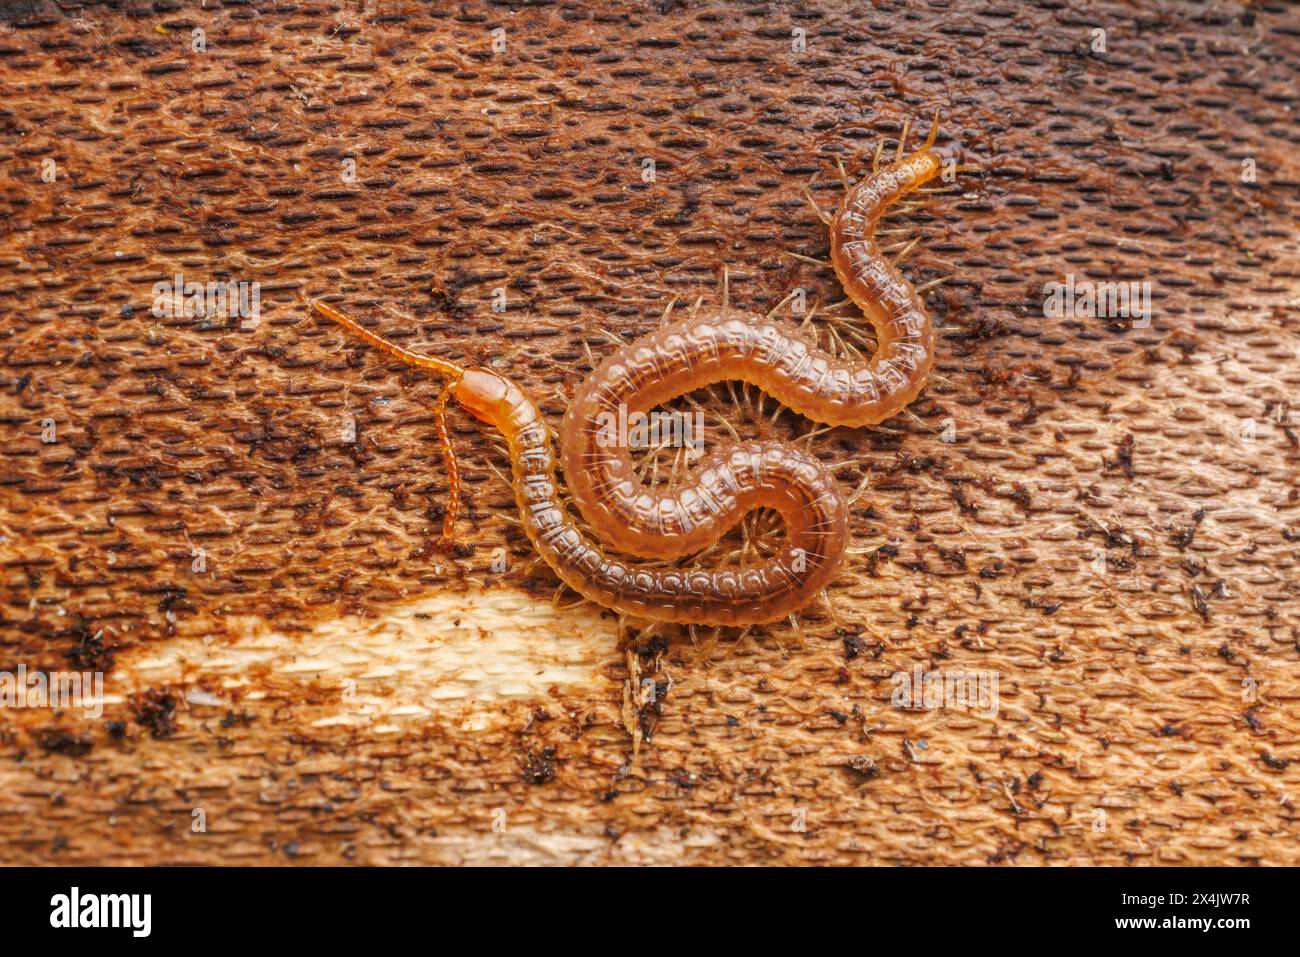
point(718, 491)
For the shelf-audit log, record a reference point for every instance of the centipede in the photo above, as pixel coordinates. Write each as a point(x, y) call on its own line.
point(654, 524)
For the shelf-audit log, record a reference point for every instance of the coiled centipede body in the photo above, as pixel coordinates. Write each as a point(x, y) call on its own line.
point(772, 354)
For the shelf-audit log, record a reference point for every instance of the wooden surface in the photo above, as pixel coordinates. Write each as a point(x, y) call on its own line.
point(339, 685)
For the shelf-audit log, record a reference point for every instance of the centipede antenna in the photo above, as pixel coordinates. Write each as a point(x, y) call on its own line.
point(443, 367)
point(934, 131)
point(880, 151)
point(902, 140)
point(448, 456)
point(448, 370)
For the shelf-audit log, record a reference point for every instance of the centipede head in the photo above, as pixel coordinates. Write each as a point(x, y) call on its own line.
point(917, 168)
point(926, 162)
point(483, 393)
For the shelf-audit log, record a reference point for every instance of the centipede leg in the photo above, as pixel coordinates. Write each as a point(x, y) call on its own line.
point(907, 249)
point(901, 210)
point(934, 132)
point(824, 216)
point(777, 308)
point(798, 628)
point(808, 259)
point(901, 244)
point(830, 606)
point(932, 283)
point(902, 140)
point(731, 391)
point(844, 174)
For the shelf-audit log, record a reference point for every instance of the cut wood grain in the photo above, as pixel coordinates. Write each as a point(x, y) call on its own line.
point(240, 523)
